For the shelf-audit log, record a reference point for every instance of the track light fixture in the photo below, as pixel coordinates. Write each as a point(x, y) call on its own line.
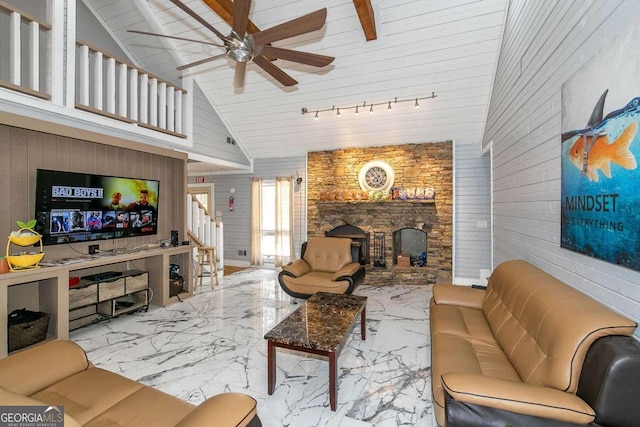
point(416, 105)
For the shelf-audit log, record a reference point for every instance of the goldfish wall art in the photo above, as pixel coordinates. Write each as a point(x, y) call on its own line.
point(600, 202)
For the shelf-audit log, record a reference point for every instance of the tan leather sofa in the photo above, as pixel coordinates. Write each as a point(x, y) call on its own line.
point(328, 264)
point(531, 351)
point(58, 373)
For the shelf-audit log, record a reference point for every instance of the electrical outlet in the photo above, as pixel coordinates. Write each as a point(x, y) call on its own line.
point(93, 249)
point(244, 253)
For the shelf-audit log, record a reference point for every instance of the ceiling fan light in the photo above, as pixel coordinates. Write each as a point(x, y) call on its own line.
point(240, 54)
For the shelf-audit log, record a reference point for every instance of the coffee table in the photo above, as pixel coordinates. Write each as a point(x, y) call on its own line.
point(319, 326)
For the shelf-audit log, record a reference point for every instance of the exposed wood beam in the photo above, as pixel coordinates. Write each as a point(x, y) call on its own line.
point(224, 9)
point(367, 19)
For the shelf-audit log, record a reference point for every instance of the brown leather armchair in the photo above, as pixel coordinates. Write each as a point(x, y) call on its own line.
point(328, 264)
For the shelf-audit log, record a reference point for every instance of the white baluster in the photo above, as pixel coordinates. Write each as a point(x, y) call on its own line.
point(111, 85)
point(178, 127)
point(144, 98)
point(153, 102)
point(15, 45)
point(220, 245)
point(133, 94)
point(97, 80)
point(34, 55)
point(84, 75)
point(171, 96)
point(207, 231)
point(122, 89)
point(162, 105)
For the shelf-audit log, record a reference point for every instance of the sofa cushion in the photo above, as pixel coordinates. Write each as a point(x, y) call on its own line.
point(146, 407)
point(88, 393)
point(544, 325)
point(35, 370)
point(229, 409)
point(316, 281)
point(328, 254)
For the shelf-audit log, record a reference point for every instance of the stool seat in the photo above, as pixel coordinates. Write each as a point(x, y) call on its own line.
point(207, 255)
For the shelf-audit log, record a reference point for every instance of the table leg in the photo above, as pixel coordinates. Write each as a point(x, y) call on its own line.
point(333, 380)
point(271, 367)
point(363, 323)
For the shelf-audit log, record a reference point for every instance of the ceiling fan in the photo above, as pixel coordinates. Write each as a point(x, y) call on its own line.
point(243, 47)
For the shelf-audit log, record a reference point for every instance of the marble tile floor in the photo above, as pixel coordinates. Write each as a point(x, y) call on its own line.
point(213, 342)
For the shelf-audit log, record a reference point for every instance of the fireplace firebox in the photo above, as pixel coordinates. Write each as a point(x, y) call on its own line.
point(410, 242)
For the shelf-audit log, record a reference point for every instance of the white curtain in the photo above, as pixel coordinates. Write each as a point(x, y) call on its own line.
point(284, 220)
point(256, 221)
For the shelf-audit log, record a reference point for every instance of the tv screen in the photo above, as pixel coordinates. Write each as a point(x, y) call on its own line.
point(79, 207)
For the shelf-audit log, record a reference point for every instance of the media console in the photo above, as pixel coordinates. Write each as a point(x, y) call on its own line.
point(47, 288)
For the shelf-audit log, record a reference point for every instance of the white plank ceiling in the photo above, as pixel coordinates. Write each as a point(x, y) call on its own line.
point(449, 47)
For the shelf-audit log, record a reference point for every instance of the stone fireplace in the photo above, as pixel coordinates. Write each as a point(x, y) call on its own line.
point(429, 222)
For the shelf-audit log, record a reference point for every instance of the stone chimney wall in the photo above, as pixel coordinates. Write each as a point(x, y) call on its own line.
point(335, 173)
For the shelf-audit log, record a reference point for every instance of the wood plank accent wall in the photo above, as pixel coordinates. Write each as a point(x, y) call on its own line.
point(544, 44)
point(24, 151)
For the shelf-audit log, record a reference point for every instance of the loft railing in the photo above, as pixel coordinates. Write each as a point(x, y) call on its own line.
point(102, 83)
point(112, 87)
point(24, 41)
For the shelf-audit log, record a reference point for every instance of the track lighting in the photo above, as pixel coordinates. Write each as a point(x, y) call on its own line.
point(416, 105)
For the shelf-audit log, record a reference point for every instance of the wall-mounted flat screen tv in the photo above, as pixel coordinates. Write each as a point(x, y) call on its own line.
point(78, 207)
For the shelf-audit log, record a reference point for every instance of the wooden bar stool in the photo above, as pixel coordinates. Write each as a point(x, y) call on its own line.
point(207, 255)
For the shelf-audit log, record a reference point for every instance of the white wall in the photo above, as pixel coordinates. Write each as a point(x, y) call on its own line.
point(472, 212)
point(545, 43)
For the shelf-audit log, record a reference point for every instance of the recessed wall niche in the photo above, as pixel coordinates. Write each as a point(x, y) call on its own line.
point(416, 166)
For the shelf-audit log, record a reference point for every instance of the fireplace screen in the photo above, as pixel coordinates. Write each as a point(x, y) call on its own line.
point(411, 243)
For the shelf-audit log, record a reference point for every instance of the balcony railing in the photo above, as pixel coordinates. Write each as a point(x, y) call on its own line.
point(112, 87)
point(102, 83)
point(23, 41)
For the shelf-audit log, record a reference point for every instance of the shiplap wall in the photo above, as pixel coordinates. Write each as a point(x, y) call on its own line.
point(237, 224)
point(472, 205)
point(545, 43)
point(210, 134)
point(24, 151)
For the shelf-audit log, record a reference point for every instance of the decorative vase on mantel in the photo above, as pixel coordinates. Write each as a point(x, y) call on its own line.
point(25, 236)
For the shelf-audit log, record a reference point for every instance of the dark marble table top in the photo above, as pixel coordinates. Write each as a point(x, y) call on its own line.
point(321, 323)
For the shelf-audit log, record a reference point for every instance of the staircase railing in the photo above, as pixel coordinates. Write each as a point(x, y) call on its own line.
point(203, 230)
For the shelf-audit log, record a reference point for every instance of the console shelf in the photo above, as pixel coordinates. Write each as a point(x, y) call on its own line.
point(47, 288)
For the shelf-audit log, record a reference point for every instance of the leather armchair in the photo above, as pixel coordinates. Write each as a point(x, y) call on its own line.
point(328, 264)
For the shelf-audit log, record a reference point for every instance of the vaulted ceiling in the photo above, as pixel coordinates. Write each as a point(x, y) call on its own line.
point(446, 47)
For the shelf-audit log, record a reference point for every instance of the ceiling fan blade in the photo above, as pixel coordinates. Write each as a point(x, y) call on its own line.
point(241, 16)
point(297, 56)
point(202, 61)
point(174, 37)
point(284, 78)
point(302, 25)
point(238, 79)
point(197, 17)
